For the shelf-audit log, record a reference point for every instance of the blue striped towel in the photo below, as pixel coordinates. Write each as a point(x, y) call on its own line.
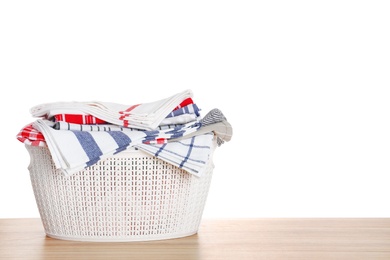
point(73, 150)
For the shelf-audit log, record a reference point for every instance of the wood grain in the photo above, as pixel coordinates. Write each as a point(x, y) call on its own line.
point(217, 239)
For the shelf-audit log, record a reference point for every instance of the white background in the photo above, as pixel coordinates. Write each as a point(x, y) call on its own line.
point(305, 84)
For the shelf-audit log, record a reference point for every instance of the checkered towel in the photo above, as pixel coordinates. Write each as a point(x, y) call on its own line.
point(190, 154)
point(30, 136)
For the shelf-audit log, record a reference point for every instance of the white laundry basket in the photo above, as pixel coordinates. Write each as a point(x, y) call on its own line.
point(131, 196)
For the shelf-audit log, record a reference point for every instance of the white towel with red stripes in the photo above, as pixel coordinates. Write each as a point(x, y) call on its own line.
point(147, 116)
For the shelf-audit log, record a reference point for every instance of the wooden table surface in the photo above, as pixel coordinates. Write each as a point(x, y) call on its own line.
point(240, 239)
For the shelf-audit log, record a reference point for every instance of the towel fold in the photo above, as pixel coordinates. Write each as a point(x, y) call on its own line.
point(145, 116)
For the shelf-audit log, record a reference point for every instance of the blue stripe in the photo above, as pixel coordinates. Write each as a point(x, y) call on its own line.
point(89, 146)
point(160, 150)
point(196, 110)
point(151, 135)
point(121, 139)
point(191, 145)
point(189, 109)
point(189, 159)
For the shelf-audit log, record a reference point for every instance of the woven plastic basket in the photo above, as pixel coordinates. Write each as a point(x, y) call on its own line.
point(131, 196)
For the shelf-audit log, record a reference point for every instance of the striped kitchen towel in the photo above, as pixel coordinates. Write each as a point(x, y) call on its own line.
point(74, 150)
point(190, 154)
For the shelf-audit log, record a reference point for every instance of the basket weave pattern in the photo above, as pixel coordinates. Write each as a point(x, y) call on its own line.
point(131, 196)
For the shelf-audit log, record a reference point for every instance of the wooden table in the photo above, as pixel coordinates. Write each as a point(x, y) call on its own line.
point(240, 239)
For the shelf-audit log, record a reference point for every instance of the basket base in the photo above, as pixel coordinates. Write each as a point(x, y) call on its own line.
point(131, 196)
point(122, 239)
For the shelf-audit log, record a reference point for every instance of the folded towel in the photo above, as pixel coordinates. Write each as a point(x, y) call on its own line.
point(215, 121)
point(147, 116)
point(180, 115)
point(222, 130)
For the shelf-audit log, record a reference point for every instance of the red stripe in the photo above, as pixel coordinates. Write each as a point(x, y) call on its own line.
point(184, 103)
point(58, 117)
point(126, 113)
point(157, 141)
point(160, 140)
point(130, 108)
point(99, 121)
point(79, 119)
point(32, 136)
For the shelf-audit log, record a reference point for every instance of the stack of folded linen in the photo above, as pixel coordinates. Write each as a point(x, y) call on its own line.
point(142, 116)
point(79, 134)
